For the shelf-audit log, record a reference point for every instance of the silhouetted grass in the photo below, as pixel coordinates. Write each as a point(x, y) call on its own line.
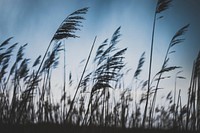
point(60, 128)
point(27, 103)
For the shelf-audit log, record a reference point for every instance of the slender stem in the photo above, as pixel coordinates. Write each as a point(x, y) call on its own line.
point(194, 103)
point(198, 102)
point(174, 115)
point(158, 82)
point(150, 65)
point(64, 86)
point(23, 104)
point(189, 97)
point(176, 109)
point(72, 102)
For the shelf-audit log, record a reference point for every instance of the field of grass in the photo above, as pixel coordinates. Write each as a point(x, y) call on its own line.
point(58, 128)
point(27, 103)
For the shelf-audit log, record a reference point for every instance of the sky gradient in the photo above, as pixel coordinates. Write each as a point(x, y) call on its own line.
point(35, 22)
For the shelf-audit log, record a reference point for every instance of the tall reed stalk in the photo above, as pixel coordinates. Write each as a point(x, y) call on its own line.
point(161, 6)
point(85, 67)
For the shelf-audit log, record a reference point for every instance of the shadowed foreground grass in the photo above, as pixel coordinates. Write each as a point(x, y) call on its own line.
point(60, 128)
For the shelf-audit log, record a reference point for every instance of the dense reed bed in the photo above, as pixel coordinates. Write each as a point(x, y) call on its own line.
point(27, 103)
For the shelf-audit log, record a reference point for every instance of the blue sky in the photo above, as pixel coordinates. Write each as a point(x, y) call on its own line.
point(35, 21)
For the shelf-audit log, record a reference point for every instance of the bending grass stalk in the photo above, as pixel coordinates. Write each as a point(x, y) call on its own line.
point(68, 27)
point(149, 77)
point(72, 103)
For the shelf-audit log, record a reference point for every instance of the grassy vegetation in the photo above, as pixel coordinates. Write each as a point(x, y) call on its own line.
point(52, 128)
point(27, 103)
